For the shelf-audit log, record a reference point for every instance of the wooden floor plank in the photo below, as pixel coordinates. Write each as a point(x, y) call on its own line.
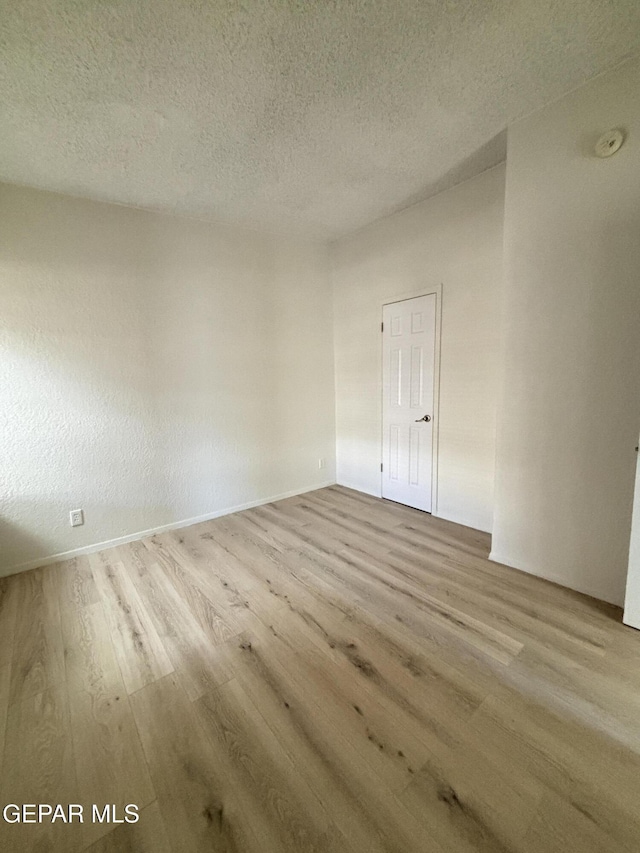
point(186, 643)
point(558, 826)
point(202, 809)
point(141, 656)
point(147, 835)
point(38, 767)
point(109, 761)
point(272, 793)
point(8, 610)
point(90, 660)
point(38, 661)
point(5, 685)
point(472, 803)
point(76, 584)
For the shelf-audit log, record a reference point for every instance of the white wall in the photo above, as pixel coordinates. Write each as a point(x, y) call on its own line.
point(152, 369)
point(570, 401)
point(454, 239)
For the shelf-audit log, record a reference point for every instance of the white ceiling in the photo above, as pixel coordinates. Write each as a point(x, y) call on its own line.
point(311, 117)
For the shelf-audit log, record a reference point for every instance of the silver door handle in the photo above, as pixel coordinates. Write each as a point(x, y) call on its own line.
point(425, 418)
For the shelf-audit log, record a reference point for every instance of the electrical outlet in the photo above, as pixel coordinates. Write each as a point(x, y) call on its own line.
point(76, 518)
point(322, 463)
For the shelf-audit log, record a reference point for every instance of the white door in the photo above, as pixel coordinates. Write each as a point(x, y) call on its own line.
point(632, 597)
point(408, 348)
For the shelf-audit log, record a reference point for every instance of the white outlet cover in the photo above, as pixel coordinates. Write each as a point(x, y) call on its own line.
point(609, 143)
point(76, 517)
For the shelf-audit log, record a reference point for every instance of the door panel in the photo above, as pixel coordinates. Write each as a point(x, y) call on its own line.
point(408, 346)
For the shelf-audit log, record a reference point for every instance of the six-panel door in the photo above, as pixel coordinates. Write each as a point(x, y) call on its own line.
point(408, 347)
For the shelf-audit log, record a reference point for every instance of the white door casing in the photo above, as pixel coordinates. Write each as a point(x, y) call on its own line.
point(632, 597)
point(408, 359)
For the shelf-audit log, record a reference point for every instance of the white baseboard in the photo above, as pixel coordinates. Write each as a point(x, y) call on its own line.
point(434, 513)
point(142, 534)
point(358, 489)
point(585, 589)
point(462, 523)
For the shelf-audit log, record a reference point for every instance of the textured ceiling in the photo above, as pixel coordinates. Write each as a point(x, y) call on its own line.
point(305, 116)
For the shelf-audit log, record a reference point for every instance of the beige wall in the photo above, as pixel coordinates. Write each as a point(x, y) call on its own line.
point(570, 400)
point(152, 369)
point(453, 239)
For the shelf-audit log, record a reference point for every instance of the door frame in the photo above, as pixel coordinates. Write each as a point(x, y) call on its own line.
point(427, 290)
point(631, 615)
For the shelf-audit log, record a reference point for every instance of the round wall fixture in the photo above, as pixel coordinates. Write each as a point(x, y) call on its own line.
point(609, 143)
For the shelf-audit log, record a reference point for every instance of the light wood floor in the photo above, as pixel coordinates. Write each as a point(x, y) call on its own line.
point(330, 673)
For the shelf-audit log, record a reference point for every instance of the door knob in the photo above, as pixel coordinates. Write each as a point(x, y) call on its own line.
point(424, 418)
